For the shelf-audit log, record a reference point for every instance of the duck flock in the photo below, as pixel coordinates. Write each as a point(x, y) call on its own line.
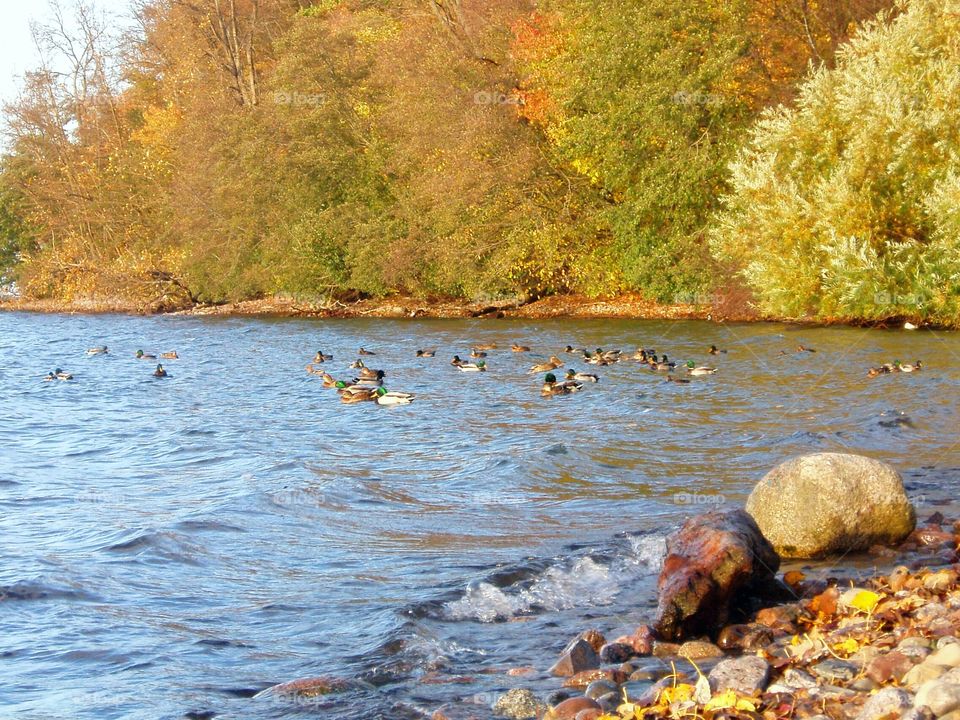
point(367, 384)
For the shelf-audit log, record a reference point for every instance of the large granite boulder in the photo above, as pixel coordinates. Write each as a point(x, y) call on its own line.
point(714, 562)
point(826, 503)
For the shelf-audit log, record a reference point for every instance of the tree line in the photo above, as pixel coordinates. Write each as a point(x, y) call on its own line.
point(803, 154)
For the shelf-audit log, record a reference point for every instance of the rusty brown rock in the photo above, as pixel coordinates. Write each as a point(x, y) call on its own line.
point(716, 560)
point(576, 657)
point(892, 666)
point(594, 638)
point(751, 636)
point(589, 714)
point(780, 617)
point(568, 709)
point(641, 641)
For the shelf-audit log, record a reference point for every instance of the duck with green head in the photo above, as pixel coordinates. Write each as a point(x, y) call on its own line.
point(694, 369)
point(479, 366)
point(908, 368)
point(141, 355)
point(551, 387)
point(160, 372)
point(389, 397)
point(579, 377)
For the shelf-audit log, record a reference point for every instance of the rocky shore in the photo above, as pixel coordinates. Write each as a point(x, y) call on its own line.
point(726, 644)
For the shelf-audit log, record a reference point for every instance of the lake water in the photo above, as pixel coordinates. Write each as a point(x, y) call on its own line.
point(174, 546)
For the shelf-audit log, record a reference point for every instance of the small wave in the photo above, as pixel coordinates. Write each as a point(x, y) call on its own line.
point(584, 581)
point(164, 546)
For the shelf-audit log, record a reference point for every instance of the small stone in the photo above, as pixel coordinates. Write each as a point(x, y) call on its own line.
point(863, 685)
point(643, 675)
point(594, 638)
point(558, 696)
point(922, 713)
point(583, 678)
point(589, 714)
point(833, 670)
point(798, 679)
point(939, 696)
point(864, 656)
point(889, 702)
point(609, 702)
point(616, 652)
point(748, 637)
point(892, 666)
point(921, 674)
point(599, 688)
point(698, 650)
point(576, 657)
point(518, 704)
point(641, 641)
point(947, 655)
point(930, 611)
point(665, 649)
point(940, 581)
point(520, 671)
point(745, 675)
point(781, 617)
point(568, 709)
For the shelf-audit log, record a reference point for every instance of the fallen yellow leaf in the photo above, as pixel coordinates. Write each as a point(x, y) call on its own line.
point(865, 600)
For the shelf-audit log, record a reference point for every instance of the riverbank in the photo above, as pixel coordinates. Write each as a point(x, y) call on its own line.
point(401, 306)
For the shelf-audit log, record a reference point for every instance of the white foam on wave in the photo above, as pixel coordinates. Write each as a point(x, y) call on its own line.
point(584, 582)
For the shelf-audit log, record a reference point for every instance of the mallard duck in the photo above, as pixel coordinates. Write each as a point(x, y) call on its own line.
point(521, 348)
point(574, 376)
point(357, 364)
point(314, 370)
point(592, 359)
point(693, 369)
point(320, 357)
point(58, 374)
point(875, 372)
point(641, 355)
point(329, 381)
point(426, 353)
point(907, 368)
point(456, 362)
point(572, 349)
point(364, 351)
point(804, 348)
point(141, 355)
point(353, 395)
point(102, 350)
point(159, 372)
point(479, 366)
point(552, 387)
point(387, 397)
point(552, 364)
point(478, 353)
point(370, 374)
point(714, 351)
point(674, 378)
point(172, 355)
point(663, 364)
point(486, 346)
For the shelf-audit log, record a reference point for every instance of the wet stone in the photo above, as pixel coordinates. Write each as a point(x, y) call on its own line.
point(616, 652)
point(576, 657)
point(798, 679)
point(599, 688)
point(568, 709)
point(699, 649)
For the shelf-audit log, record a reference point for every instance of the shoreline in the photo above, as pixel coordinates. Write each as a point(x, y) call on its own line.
point(624, 306)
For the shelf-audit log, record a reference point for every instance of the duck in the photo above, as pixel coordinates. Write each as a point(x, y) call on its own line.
point(314, 370)
point(662, 365)
point(641, 355)
point(674, 378)
point(320, 357)
point(552, 364)
point(693, 369)
point(486, 346)
point(804, 348)
point(329, 381)
point(141, 355)
point(551, 387)
point(388, 397)
point(364, 351)
point(477, 353)
point(370, 374)
point(572, 349)
point(101, 350)
point(172, 355)
point(715, 351)
point(159, 372)
point(907, 368)
point(353, 395)
point(876, 372)
point(574, 376)
point(609, 355)
point(357, 364)
point(479, 366)
point(456, 362)
point(58, 374)
point(594, 359)
point(521, 348)
point(426, 353)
